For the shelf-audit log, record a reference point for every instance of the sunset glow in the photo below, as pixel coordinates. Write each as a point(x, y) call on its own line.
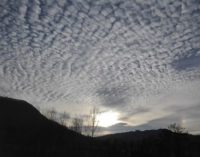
point(107, 119)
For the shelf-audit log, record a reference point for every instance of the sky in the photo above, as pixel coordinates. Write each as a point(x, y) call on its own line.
point(138, 59)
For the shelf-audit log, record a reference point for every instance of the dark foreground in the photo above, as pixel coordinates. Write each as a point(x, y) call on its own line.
point(25, 132)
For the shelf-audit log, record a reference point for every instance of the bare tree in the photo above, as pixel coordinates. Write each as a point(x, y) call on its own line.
point(177, 128)
point(63, 117)
point(77, 125)
point(51, 114)
point(92, 122)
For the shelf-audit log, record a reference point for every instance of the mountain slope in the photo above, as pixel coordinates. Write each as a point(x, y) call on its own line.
point(18, 113)
point(25, 132)
point(160, 142)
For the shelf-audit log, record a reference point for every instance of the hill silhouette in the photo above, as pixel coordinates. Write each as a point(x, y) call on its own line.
point(26, 132)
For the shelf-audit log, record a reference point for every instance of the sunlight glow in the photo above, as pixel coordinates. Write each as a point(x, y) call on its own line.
point(108, 118)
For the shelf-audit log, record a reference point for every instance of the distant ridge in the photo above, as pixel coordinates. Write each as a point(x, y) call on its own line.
point(24, 132)
point(138, 135)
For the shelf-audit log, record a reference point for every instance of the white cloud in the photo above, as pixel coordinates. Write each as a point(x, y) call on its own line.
point(117, 52)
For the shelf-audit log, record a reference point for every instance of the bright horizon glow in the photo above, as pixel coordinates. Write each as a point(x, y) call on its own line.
point(108, 118)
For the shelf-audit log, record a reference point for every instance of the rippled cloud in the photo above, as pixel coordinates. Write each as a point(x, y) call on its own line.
point(122, 55)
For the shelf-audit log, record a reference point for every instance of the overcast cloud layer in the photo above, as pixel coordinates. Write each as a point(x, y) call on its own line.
point(139, 58)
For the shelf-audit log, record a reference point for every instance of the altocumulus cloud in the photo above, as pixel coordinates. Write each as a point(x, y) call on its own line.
point(140, 58)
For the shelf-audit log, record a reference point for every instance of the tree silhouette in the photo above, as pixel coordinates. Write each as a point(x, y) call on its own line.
point(51, 114)
point(92, 122)
point(177, 128)
point(63, 117)
point(56, 116)
point(77, 125)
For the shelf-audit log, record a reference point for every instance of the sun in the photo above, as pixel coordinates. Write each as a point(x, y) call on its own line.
point(108, 118)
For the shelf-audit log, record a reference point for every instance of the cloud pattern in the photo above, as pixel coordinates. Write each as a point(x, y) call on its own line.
point(118, 54)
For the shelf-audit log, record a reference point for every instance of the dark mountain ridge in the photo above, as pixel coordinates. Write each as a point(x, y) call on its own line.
point(142, 135)
point(26, 132)
point(18, 113)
